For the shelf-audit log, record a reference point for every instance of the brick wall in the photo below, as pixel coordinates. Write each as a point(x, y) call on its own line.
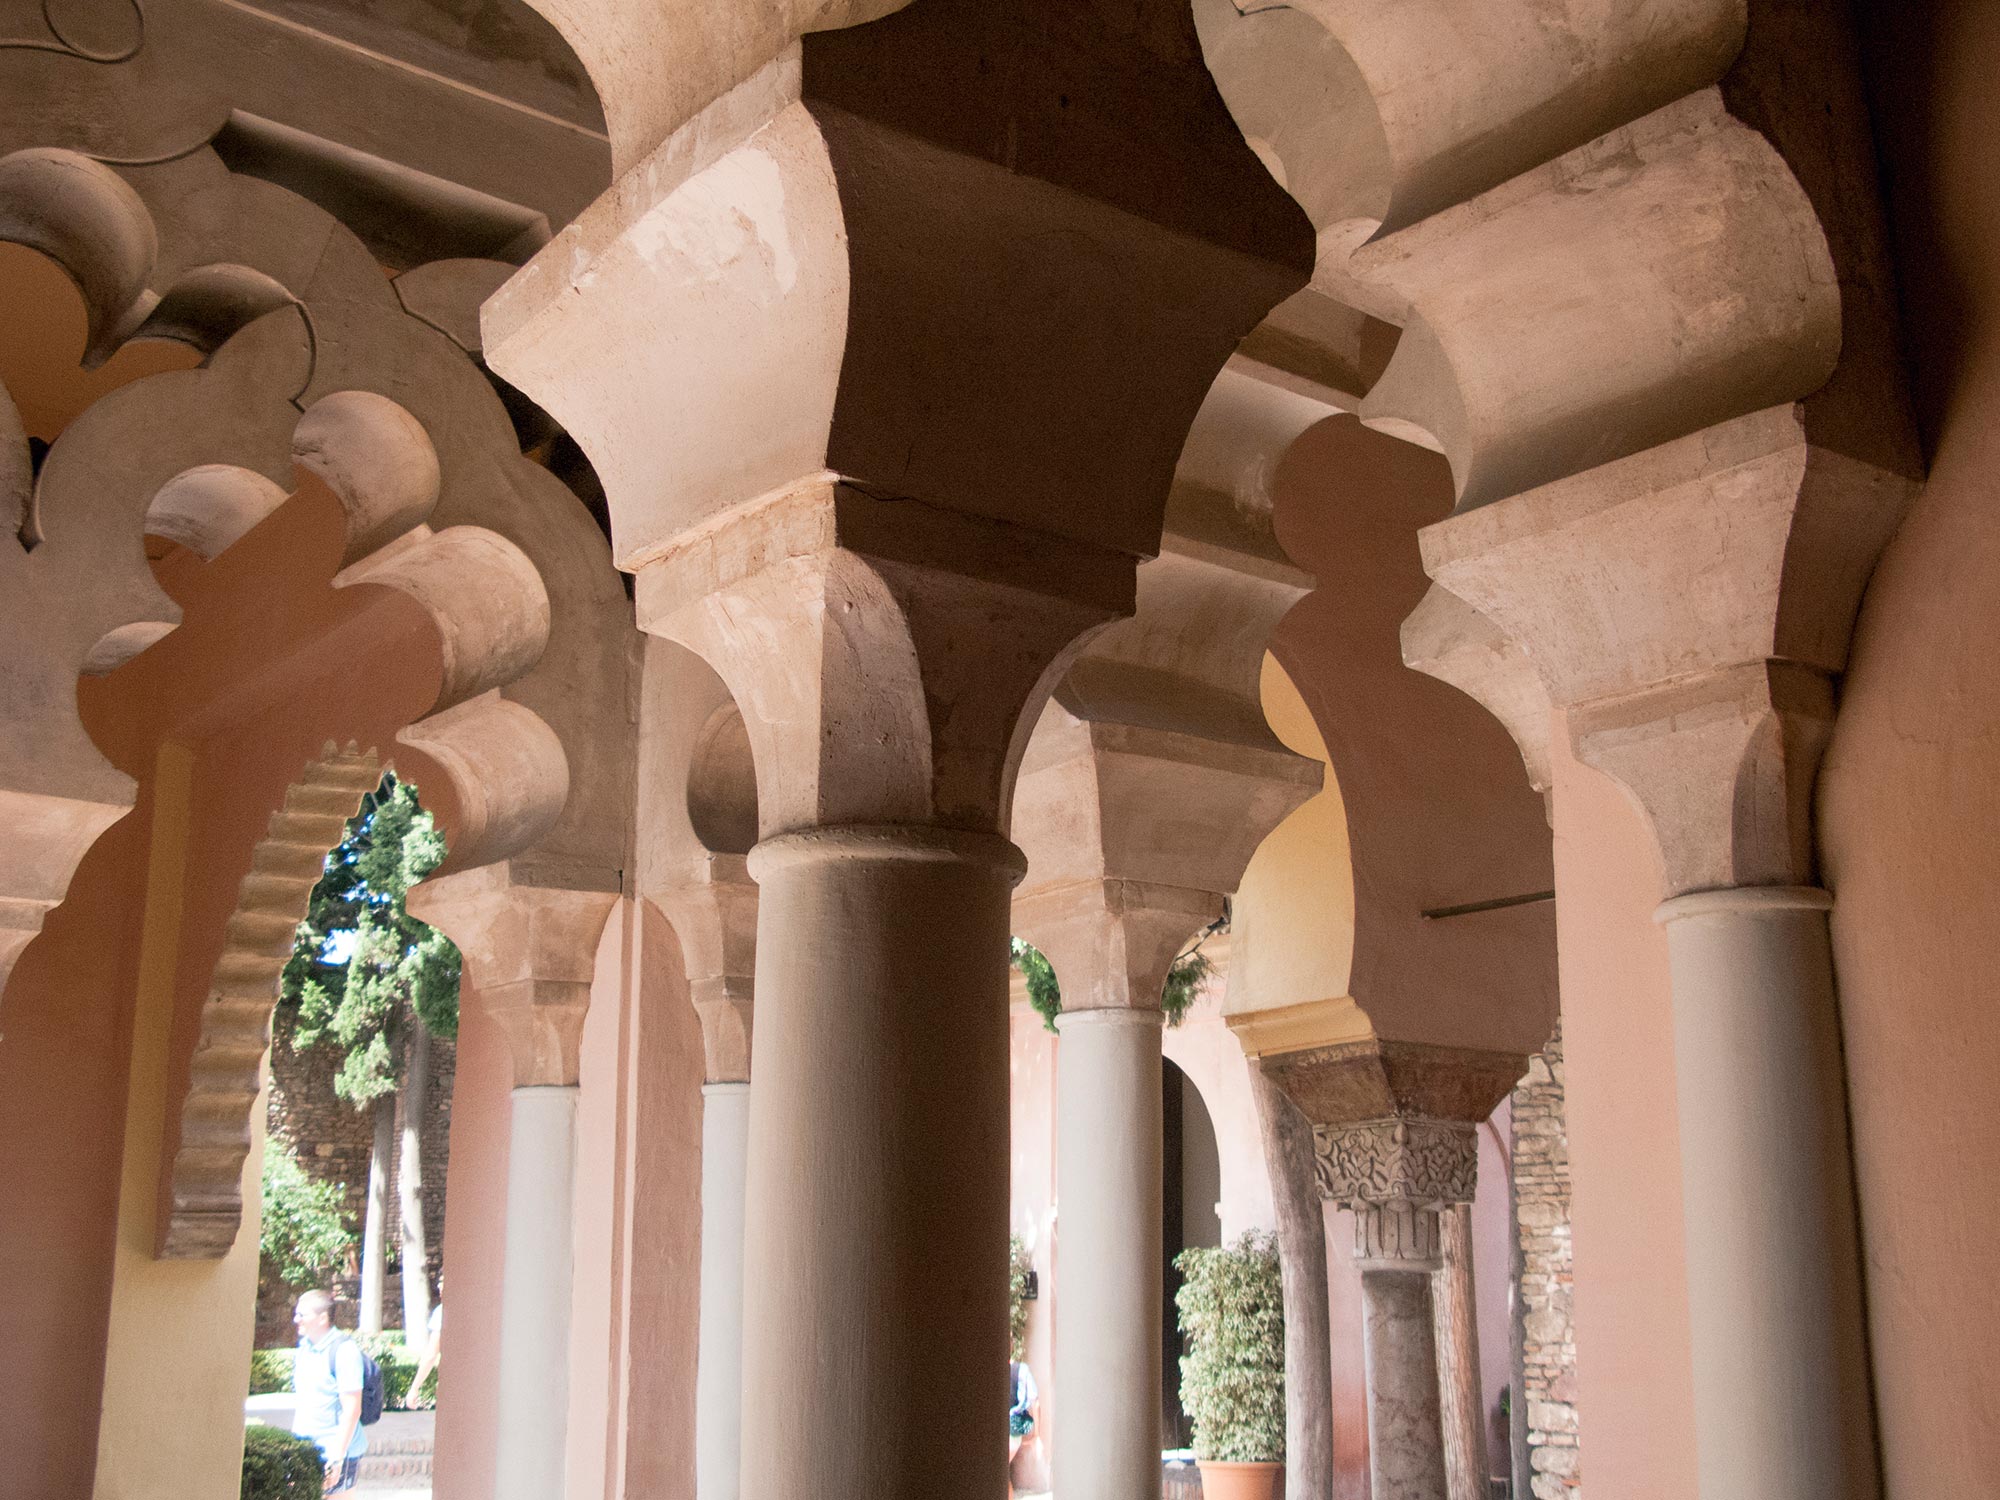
point(331, 1139)
point(1541, 1213)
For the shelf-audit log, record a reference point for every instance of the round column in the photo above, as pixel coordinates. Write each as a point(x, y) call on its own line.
point(875, 1225)
point(533, 1407)
point(1108, 1197)
point(718, 1436)
point(1774, 1289)
point(1396, 1246)
point(1461, 1408)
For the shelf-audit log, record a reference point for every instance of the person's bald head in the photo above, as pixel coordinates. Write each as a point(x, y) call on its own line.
point(313, 1313)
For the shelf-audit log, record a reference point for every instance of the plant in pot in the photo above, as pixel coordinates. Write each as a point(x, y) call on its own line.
point(1232, 1314)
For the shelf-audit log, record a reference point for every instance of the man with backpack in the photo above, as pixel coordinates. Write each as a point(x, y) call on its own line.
point(330, 1377)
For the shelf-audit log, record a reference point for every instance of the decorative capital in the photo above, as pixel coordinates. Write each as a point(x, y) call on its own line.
point(1398, 1236)
point(1425, 1163)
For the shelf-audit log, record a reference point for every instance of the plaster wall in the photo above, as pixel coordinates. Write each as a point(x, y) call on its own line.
point(232, 704)
point(1292, 937)
point(200, 1309)
point(595, 1369)
point(1631, 1316)
point(1909, 795)
point(1205, 1050)
point(475, 1219)
point(1350, 1375)
point(1492, 1293)
point(638, 1220)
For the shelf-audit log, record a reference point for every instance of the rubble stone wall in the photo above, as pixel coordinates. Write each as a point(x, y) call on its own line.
point(1541, 1218)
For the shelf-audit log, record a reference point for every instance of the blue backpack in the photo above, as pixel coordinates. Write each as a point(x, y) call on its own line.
point(373, 1397)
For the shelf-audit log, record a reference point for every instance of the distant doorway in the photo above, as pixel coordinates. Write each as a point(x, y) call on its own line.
point(1191, 1180)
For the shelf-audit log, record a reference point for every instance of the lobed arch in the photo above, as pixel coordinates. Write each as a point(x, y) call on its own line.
point(698, 817)
point(1426, 813)
point(344, 345)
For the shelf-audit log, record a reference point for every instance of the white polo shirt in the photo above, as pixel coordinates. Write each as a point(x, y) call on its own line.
point(320, 1373)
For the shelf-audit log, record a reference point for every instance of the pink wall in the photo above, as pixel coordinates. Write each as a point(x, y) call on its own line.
point(1631, 1320)
point(252, 683)
point(1909, 809)
point(475, 1217)
point(1207, 1051)
point(659, 1205)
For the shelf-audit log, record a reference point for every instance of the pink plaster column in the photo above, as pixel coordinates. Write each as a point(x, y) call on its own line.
point(875, 1262)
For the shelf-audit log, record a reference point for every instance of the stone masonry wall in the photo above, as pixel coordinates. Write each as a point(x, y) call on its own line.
point(331, 1139)
point(1541, 1214)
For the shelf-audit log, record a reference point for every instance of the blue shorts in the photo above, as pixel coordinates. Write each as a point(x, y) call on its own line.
point(350, 1471)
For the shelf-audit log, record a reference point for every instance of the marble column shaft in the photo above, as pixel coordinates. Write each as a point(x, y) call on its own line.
point(718, 1438)
point(1108, 1165)
point(1774, 1283)
point(536, 1279)
point(875, 1224)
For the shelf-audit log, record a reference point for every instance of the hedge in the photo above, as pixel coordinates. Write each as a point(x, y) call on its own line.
point(278, 1465)
point(271, 1369)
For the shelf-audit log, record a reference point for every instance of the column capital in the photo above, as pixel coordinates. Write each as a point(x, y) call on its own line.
point(1397, 1236)
point(1399, 1161)
point(530, 952)
point(713, 912)
point(1112, 942)
point(887, 658)
point(1395, 1123)
point(1687, 609)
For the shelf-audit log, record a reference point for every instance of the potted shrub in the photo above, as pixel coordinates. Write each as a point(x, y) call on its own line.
point(1232, 1313)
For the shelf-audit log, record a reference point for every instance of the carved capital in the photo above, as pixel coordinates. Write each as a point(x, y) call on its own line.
point(1428, 1163)
point(1398, 1236)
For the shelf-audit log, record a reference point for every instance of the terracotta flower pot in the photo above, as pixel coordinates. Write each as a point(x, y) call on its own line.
point(1220, 1481)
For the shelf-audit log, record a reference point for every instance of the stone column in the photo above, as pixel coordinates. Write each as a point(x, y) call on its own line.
point(529, 936)
point(875, 1344)
point(535, 1294)
point(718, 1398)
point(1396, 1247)
point(889, 553)
point(1774, 1282)
point(1107, 1379)
point(875, 1189)
point(1395, 1143)
point(1112, 944)
point(1713, 721)
point(1288, 1153)
point(1460, 1402)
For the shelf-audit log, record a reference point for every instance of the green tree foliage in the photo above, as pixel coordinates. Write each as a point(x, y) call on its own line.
point(1043, 992)
point(362, 967)
point(1018, 1270)
point(1232, 1312)
point(1184, 979)
point(304, 1233)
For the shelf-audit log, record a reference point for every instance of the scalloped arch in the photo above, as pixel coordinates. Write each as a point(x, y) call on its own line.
point(203, 1206)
